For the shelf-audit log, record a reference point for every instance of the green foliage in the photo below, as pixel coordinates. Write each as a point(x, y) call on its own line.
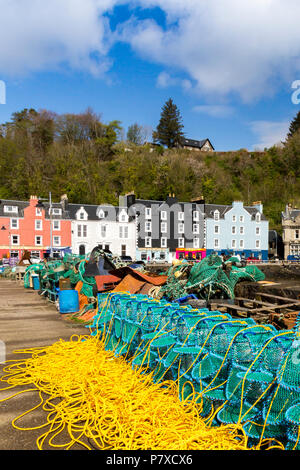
point(169, 129)
point(294, 126)
point(82, 157)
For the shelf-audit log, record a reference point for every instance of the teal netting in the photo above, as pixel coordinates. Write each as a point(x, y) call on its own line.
point(238, 371)
point(208, 278)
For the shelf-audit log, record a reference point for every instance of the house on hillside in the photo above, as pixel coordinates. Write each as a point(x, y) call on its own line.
point(198, 145)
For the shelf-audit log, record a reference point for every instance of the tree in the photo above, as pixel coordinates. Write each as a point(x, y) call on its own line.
point(135, 134)
point(169, 130)
point(294, 126)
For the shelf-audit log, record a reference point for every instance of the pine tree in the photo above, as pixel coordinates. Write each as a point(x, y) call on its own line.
point(169, 130)
point(294, 126)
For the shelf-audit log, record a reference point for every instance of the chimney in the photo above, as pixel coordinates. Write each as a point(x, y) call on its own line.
point(258, 205)
point(199, 200)
point(127, 200)
point(64, 202)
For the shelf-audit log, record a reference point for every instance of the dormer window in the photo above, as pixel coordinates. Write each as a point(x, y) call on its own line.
point(216, 215)
point(11, 209)
point(101, 214)
point(257, 217)
point(56, 211)
point(81, 214)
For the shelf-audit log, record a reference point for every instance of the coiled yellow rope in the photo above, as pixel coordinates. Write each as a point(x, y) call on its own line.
point(96, 400)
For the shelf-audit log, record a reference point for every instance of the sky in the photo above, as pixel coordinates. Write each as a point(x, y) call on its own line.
point(232, 67)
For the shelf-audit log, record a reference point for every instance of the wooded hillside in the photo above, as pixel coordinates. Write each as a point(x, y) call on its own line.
point(82, 157)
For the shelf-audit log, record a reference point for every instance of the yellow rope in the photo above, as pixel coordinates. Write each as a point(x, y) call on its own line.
point(95, 400)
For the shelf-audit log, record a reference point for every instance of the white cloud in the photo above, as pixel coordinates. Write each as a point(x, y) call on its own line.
point(225, 47)
point(165, 80)
point(37, 35)
point(246, 47)
point(269, 133)
point(220, 111)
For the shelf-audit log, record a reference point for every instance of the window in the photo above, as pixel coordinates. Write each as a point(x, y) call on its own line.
point(38, 225)
point(257, 244)
point(163, 227)
point(148, 226)
point(56, 241)
point(123, 250)
point(14, 223)
point(180, 242)
point(101, 214)
point(35, 254)
point(81, 230)
point(56, 224)
point(297, 233)
point(216, 215)
point(234, 218)
point(15, 239)
point(241, 243)
point(233, 230)
point(257, 231)
point(38, 240)
point(10, 209)
point(233, 243)
point(196, 243)
point(241, 218)
point(14, 254)
point(123, 218)
point(216, 243)
point(123, 231)
point(163, 215)
point(163, 242)
point(180, 228)
point(38, 213)
point(103, 231)
point(148, 213)
point(258, 217)
point(242, 230)
point(180, 215)
point(196, 228)
point(196, 215)
point(148, 242)
point(217, 229)
point(56, 211)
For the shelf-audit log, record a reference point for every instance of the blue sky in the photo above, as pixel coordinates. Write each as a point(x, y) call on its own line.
point(229, 66)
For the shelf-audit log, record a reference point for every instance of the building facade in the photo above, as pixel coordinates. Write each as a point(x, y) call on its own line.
point(237, 229)
point(106, 226)
point(30, 226)
point(164, 227)
point(290, 220)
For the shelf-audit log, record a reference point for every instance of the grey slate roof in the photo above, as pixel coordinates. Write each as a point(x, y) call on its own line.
point(10, 202)
point(211, 208)
point(196, 143)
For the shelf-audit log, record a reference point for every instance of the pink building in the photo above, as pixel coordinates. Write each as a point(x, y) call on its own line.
point(23, 226)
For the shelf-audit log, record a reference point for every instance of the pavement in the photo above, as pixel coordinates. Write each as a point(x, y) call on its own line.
point(27, 320)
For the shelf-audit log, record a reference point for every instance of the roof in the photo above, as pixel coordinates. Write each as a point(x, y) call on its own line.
point(92, 211)
point(211, 208)
point(196, 143)
point(10, 202)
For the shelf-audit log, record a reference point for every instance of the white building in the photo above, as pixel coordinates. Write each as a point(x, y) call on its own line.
point(106, 226)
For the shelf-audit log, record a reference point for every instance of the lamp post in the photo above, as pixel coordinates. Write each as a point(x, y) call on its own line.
point(40, 205)
point(9, 239)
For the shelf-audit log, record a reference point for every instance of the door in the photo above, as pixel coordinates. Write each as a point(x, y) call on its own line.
point(82, 250)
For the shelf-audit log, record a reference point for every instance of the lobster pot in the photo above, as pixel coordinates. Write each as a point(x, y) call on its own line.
point(68, 301)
